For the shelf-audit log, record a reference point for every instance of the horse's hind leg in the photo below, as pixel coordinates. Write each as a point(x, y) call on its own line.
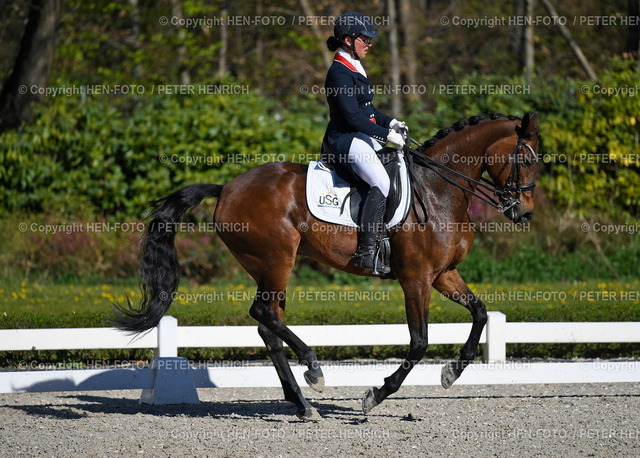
point(268, 309)
point(269, 202)
point(271, 274)
point(292, 392)
point(451, 285)
point(270, 329)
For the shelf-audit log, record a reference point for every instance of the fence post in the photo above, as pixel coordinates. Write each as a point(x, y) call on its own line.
point(167, 338)
point(496, 346)
point(172, 381)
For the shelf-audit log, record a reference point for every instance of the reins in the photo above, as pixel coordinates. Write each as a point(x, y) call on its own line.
point(508, 195)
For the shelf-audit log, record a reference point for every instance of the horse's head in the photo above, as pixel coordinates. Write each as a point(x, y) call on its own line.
point(514, 169)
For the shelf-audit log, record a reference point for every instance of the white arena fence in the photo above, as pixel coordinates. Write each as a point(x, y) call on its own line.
point(172, 380)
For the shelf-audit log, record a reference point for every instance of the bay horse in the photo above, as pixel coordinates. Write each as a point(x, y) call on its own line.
point(268, 202)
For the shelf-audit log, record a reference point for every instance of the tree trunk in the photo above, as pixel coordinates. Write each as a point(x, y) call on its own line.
point(317, 32)
point(134, 39)
point(409, 38)
point(181, 51)
point(224, 40)
point(518, 35)
point(32, 65)
point(528, 50)
point(572, 44)
point(632, 47)
point(396, 100)
point(260, 47)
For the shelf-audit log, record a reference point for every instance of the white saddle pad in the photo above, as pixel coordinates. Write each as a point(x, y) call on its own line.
point(326, 194)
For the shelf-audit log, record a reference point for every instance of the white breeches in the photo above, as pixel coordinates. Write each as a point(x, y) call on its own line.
point(365, 163)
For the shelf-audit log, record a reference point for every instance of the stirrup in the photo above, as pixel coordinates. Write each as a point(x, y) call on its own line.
point(382, 258)
point(374, 259)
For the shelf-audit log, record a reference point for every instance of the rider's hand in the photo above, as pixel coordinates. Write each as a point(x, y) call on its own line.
point(398, 126)
point(394, 139)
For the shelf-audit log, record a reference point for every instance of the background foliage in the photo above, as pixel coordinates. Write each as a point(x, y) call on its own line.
point(103, 158)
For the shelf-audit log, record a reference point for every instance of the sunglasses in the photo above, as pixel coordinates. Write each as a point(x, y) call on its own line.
point(366, 41)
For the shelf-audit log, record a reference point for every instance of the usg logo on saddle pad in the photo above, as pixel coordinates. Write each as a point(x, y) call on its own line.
point(328, 199)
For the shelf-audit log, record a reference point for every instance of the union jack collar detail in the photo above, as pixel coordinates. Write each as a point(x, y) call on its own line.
point(344, 61)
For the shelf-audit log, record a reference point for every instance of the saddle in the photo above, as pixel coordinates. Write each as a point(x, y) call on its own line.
point(335, 194)
point(359, 189)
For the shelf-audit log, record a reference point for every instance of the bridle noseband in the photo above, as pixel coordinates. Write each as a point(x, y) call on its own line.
point(509, 195)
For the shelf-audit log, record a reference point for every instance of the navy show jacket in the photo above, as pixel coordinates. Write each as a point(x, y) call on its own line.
point(349, 95)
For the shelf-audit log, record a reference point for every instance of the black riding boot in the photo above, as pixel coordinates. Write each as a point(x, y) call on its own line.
point(371, 232)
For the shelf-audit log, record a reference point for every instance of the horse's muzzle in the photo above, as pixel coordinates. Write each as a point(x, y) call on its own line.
point(518, 216)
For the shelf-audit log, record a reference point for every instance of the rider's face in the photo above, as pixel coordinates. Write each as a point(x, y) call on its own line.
point(362, 45)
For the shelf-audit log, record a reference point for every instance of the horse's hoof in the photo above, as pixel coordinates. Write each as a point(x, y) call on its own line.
point(371, 399)
point(449, 375)
point(308, 414)
point(315, 380)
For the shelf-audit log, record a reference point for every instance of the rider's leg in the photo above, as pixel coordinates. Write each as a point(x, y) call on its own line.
point(365, 163)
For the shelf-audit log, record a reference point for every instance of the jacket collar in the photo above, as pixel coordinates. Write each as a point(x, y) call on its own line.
point(352, 64)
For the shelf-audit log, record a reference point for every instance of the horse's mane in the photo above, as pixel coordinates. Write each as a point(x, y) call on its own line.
point(472, 121)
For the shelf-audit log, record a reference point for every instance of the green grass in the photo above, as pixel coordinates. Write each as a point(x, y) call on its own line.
point(27, 305)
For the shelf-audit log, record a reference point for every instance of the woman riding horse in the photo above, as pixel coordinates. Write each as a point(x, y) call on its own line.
point(355, 128)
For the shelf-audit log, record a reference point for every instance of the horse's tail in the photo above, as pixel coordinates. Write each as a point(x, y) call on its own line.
point(159, 266)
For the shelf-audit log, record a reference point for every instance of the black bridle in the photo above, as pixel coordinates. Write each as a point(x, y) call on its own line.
point(508, 195)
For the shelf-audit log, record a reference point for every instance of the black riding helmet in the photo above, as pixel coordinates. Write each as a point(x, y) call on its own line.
point(352, 25)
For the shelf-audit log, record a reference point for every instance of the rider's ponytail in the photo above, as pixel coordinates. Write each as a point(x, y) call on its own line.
point(333, 43)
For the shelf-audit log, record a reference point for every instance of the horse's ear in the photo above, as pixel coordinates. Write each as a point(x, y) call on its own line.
point(529, 126)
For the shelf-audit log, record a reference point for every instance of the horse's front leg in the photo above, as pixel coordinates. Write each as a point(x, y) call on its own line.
point(452, 286)
point(417, 295)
